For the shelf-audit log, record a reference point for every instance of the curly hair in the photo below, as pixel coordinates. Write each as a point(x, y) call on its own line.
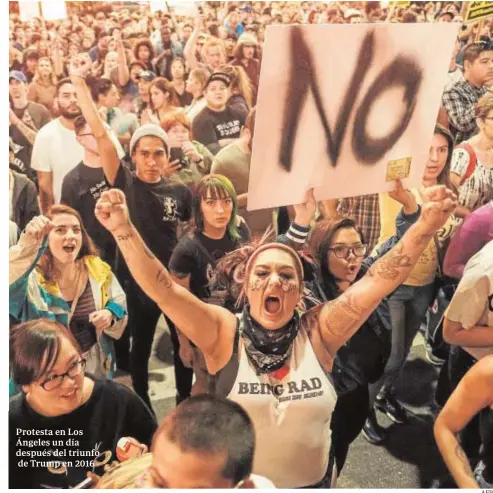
point(147, 43)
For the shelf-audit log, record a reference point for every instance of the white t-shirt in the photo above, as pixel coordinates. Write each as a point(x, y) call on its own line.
point(56, 150)
point(472, 303)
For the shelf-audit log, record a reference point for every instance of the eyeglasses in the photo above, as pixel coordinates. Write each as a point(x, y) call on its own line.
point(56, 381)
point(342, 251)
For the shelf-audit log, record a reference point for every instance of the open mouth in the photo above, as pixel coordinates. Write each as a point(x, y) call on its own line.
point(272, 305)
point(353, 269)
point(69, 249)
point(69, 395)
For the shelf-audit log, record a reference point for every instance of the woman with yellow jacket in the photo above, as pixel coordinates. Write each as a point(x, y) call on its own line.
point(55, 273)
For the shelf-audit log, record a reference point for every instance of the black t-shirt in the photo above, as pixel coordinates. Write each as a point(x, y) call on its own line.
point(81, 189)
point(185, 99)
point(155, 210)
point(210, 127)
point(82, 439)
point(197, 255)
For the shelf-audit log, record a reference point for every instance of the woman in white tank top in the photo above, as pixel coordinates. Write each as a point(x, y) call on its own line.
point(283, 358)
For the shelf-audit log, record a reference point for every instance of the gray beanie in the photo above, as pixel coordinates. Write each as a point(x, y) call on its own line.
point(149, 130)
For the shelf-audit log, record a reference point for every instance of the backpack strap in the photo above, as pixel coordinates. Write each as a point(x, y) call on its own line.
point(472, 161)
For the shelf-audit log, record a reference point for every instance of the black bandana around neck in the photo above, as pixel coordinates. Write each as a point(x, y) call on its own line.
point(268, 350)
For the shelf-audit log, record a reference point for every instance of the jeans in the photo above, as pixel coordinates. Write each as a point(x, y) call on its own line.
point(143, 317)
point(408, 306)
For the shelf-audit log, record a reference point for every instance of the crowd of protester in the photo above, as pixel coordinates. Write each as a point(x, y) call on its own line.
point(130, 143)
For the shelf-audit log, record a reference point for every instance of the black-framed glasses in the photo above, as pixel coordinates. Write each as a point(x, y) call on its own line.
point(342, 251)
point(56, 381)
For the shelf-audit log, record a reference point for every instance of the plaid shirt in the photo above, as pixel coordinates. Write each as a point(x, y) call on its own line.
point(460, 104)
point(365, 211)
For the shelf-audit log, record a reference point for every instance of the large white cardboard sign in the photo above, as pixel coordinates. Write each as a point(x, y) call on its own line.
point(54, 10)
point(338, 103)
point(28, 10)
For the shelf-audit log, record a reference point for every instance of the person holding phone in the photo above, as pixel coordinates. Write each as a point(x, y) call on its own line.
point(193, 158)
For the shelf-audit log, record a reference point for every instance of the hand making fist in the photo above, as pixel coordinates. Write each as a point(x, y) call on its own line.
point(112, 210)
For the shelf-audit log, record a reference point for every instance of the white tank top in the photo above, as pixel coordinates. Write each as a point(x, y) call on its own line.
point(291, 417)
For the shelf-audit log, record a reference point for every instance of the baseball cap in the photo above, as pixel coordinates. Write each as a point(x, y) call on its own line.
point(220, 76)
point(15, 74)
point(146, 75)
point(148, 130)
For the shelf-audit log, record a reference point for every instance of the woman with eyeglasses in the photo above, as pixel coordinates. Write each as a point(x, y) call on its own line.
point(55, 272)
point(65, 423)
point(275, 359)
point(339, 250)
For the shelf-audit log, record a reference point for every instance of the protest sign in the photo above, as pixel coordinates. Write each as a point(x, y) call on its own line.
point(339, 104)
point(54, 10)
point(28, 11)
point(183, 7)
point(477, 11)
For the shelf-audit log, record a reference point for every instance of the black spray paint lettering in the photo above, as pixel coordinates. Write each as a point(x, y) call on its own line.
point(288, 286)
point(403, 71)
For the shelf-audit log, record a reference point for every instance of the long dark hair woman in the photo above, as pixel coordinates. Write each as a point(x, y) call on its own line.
point(339, 250)
point(275, 359)
point(218, 230)
point(65, 423)
point(410, 301)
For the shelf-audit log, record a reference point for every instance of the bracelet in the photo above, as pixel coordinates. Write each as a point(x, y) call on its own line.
point(297, 233)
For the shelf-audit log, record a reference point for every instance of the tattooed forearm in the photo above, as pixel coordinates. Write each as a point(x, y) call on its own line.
point(461, 455)
point(163, 278)
point(124, 237)
point(389, 267)
point(422, 239)
point(344, 313)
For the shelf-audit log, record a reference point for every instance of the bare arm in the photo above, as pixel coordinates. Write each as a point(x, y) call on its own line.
point(473, 393)
point(476, 337)
point(328, 208)
point(210, 328)
point(45, 182)
point(189, 50)
point(28, 132)
point(341, 318)
point(123, 72)
point(106, 148)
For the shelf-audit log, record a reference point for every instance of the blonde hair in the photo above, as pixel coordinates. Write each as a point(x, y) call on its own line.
point(484, 106)
point(37, 75)
point(240, 83)
point(212, 42)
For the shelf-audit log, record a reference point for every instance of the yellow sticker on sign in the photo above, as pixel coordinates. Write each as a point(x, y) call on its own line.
point(399, 168)
point(477, 11)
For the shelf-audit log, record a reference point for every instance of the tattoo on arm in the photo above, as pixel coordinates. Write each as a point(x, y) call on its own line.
point(388, 267)
point(422, 239)
point(124, 237)
point(163, 277)
point(459, 452)
point(344, 313)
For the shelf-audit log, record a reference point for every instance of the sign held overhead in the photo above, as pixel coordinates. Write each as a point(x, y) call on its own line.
point(339, 104)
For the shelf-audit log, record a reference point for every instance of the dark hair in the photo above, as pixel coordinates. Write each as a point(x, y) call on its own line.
point(147, 43)
point(79, 123)
point(165, 86)
point(473, 50)
point(102, 34)
point(61, 83)
point(320, 241)
point(34, 347)
point(444, 177)
point(208, 425)
point(100, 86)
point(45, 264)
point(217, 187)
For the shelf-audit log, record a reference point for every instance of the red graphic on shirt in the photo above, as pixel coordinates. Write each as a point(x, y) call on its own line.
point(281, 373)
